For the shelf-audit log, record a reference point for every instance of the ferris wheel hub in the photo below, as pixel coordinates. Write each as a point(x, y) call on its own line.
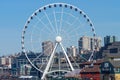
point(58, 39)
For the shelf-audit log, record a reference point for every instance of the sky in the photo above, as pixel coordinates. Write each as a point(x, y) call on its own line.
point(105, 15)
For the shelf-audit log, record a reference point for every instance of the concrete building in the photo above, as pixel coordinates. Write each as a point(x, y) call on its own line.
point(98, 42)
point(72, 51)
point(47, 47)
point(6, 60)
point(111, 67)
point(86, 44)
point(5, 67)
point(109, 39)
point(3, 60)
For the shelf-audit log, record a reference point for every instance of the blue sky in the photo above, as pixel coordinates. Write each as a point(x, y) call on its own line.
point(105, 15)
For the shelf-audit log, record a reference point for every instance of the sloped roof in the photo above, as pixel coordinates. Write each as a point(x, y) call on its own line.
point(95, 62)
point(115, 63)
point(116, 55)
point(95, 68)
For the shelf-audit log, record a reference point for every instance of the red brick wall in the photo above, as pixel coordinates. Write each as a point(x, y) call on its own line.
point(94, 76)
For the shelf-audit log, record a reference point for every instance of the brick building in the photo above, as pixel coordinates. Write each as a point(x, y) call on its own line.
point(91, 72)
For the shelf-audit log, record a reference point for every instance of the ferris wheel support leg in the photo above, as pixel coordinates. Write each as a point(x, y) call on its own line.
point(49, 62)
point(67, 58)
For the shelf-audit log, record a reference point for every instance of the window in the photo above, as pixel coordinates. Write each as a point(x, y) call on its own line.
point(114, 50)
point(106, 65)
point(116, 69)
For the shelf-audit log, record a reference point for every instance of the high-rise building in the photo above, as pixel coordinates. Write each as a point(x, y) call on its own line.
point(109, 39)
point(5, 61)
point(98, 42)
point(72, 51)
point(86, 44)
point(47, 47)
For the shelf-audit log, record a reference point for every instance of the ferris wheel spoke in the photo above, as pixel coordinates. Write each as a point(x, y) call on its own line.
point(41, 30)
point(79, 35)
point(69, 14)
point(31, 42)
point(76, 19)
point(74, 61)
point(46, 32)
point(68, 35)
point(32, 46)
point(36, 58)
point(78, 28)
point(80, 25)
point(45, 26)
point(52, 27)
point(73, 36)
point(48, 49)
point(56, 27)
point(61, 20)
point(41, 66)
point(35, 26)
point(37, 48)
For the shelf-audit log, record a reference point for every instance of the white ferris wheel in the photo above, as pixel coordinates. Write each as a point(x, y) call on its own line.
point(49, 31)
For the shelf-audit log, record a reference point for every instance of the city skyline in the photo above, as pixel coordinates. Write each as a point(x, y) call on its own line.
point(14, 14)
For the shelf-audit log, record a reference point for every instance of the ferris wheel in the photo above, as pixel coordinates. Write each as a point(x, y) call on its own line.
point(50, 31)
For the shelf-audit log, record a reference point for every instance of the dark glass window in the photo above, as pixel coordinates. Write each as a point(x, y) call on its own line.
point(114, 50)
